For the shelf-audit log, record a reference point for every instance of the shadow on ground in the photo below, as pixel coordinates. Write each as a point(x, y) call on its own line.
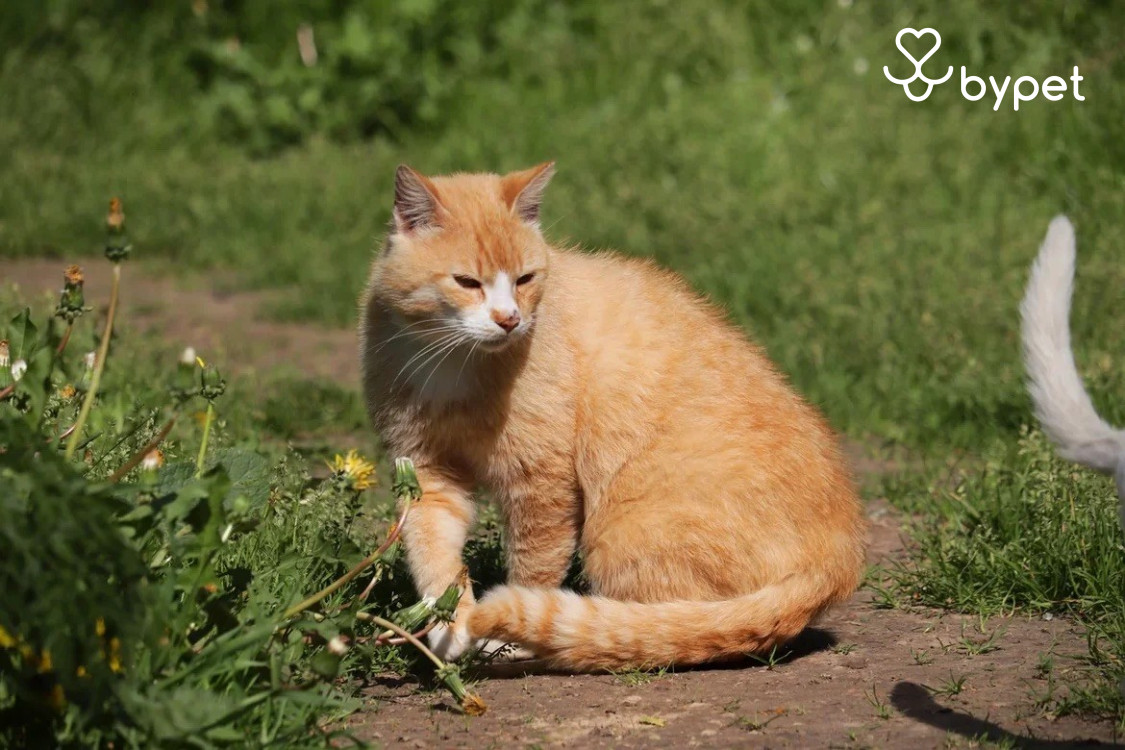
point(916, 702)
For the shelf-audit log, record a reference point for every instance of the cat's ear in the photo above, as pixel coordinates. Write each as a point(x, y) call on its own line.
point(523, 191)
point(416, 203)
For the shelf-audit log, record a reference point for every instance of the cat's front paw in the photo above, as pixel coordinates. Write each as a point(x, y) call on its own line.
point(449, 640)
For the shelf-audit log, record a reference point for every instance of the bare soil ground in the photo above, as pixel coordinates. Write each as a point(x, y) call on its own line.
point(863, 677)
point(199, 312)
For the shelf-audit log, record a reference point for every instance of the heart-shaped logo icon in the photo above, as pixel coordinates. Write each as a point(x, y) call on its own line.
point(918, 35)
point(918, 74)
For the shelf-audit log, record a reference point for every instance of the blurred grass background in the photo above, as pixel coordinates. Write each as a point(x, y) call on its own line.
point(878, 247)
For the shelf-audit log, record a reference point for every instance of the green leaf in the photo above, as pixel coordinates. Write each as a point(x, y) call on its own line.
point(249, 474)
point(326, 664)
point(22, 335)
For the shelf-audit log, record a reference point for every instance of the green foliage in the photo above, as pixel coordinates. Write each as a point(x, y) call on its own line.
point(164, 611)
point(70, 586)
point(366, 68)
point(267, 76)
point(295, 407)
point(1034, 532)
point(875, 245)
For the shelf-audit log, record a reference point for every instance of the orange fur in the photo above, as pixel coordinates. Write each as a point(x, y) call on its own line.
point(623, 417)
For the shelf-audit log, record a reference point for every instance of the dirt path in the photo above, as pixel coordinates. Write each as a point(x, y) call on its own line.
point(865, 677)
point(222, 326)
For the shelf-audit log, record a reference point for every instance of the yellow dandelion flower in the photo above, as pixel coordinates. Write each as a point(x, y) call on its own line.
point(73, 275)
point(66, 393)
point(45, 663)
point(57, 698)
point(354, 470)
point(7, 640)
point(113, 658)
point(81, 671)
point(99, 627)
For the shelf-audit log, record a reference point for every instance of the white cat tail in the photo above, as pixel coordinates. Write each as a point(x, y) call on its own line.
point(1061, 403)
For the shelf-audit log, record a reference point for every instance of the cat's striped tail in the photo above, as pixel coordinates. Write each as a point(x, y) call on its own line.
point(592, 632)
point(1061, 403)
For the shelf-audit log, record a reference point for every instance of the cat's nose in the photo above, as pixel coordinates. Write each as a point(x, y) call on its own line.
point(507, 320)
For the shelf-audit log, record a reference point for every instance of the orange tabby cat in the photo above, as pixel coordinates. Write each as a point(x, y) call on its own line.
point(610, 410)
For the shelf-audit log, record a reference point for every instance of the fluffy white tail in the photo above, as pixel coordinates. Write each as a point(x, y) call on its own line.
point(1061, 403)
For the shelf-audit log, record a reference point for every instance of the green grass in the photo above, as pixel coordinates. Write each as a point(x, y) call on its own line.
point(876, 246)
point(1031, 533)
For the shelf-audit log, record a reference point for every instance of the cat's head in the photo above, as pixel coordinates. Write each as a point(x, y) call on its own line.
point(465, 257)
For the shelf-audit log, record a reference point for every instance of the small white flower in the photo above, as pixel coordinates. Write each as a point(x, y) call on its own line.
point(187, 357)
point(860, 66)
point(19, 367)
point(338, 646)
point(90, 359)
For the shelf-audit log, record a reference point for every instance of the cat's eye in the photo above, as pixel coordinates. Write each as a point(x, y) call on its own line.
point(525, 279)
point(468, 282)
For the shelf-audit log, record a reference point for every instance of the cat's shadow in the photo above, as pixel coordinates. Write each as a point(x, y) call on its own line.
point(810, 641)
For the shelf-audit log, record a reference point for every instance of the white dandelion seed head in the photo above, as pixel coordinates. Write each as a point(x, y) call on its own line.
point(19, 367)
point(154, 459)
point(187, 356)
point(90, 359)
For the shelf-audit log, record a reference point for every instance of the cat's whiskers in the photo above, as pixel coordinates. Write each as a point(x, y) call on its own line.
point(449, 350)
point(464, 362)
point(441, 326)
point(424, 351)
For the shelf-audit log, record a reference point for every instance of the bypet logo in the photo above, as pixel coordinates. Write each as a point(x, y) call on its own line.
point(974, 88)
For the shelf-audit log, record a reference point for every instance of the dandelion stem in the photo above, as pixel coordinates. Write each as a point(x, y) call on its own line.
point(206, 433)
point(148, 448)
point(409, 638)
point(99, 365)
point(363, 565)
point(66, 433)
point(388, 639)
point(5, 392)
point(471, 703)
point(65, 338)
